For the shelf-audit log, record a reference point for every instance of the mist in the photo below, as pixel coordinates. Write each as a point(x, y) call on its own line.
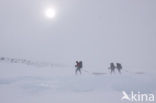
point(95, 31)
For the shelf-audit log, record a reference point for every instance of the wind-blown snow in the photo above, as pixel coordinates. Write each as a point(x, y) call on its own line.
point(27, 84)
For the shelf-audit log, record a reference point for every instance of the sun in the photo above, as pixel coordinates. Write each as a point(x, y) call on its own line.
point(50, 13)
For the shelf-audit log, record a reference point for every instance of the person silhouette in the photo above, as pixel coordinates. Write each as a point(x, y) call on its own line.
point(78, 67)
point(112, 68)
point(119, 67)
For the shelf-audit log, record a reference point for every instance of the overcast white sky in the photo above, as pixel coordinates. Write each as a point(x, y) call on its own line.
point(95, 31)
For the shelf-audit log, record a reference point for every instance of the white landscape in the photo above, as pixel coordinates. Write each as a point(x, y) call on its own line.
point(41, 40)
point(27, 84)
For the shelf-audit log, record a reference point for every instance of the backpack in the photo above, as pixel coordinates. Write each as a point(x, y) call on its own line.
point(80, 64)
point(119, 66)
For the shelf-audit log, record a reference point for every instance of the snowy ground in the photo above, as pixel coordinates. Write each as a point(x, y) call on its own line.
point(27, 84)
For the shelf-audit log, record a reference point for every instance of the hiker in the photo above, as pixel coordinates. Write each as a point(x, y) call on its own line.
point(112, 67)
point(78, 67)
point(118, 67)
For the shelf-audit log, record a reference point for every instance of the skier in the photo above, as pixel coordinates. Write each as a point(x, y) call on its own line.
point(112, 67)
point(78, 66)
point(118, 67)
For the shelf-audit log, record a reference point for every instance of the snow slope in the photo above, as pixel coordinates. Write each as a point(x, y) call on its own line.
point(27, 84)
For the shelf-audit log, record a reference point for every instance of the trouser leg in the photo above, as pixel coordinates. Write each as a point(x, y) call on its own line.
point(80, 71)
point(76, 71)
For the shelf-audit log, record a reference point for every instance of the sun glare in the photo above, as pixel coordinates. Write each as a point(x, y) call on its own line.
point(50, 13)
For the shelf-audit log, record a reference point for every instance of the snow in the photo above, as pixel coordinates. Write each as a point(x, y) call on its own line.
point(37, 56)
point(27, 84)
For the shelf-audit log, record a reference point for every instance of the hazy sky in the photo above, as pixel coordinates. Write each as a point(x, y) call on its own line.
point(95, 31)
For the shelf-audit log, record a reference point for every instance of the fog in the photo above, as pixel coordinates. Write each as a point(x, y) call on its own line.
point(95, 31)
